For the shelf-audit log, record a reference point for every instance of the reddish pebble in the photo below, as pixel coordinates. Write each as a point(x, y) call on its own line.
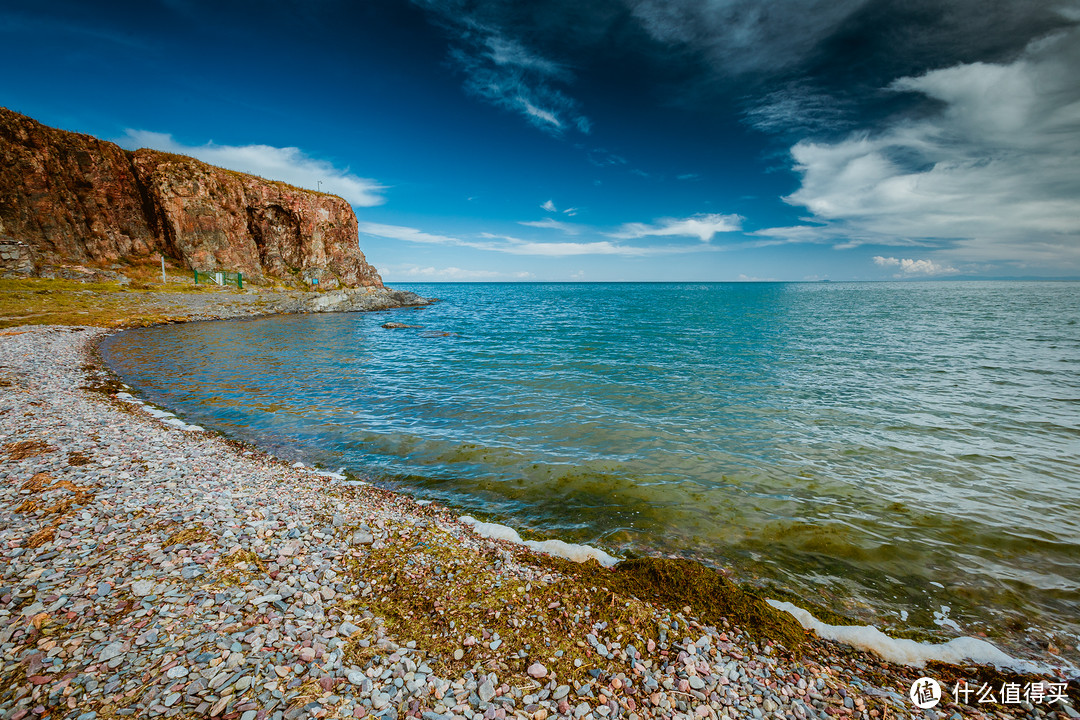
point(359, 712)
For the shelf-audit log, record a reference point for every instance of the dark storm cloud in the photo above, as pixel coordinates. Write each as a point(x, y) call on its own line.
point(791, 65)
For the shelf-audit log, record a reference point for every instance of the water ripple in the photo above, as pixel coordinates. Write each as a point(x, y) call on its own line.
point(864, 441)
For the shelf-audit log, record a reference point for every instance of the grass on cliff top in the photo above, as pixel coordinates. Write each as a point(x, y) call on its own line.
point(33, 301)
point(176, 157)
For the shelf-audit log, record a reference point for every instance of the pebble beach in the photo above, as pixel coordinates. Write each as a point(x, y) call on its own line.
point(150, 568)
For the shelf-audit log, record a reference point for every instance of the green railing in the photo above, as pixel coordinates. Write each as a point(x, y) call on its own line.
point(220, 277)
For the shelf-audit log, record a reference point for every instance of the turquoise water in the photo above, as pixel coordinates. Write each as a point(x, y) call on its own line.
point(884, 449)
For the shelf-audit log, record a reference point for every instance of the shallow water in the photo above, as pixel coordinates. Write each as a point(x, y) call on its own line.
point(885, 449)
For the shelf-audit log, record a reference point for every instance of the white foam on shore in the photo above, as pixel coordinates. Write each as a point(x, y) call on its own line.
point(177, 422)
point(327, 473)
point(570, 551)
point(911, 652)
point(163, 415)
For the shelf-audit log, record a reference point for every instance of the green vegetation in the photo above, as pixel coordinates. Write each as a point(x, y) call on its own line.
point(34, 301)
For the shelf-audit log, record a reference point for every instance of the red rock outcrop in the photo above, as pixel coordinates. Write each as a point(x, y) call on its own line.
point(67, 198)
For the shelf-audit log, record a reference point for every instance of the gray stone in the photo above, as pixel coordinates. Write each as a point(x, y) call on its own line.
point(142, 588)
point(113, 650)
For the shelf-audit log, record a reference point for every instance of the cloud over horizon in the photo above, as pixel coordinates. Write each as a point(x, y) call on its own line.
point(703, 227)
point(430, 273)
point(508, 244)
point(909, 267)
point(288, 164)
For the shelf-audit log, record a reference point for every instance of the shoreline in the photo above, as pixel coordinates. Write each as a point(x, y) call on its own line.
point(117, 305)
point(188, 573)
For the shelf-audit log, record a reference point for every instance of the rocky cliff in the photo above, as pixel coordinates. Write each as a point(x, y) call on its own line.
point(71, 199)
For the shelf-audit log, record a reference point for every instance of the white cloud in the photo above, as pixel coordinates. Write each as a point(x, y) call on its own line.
point(552, 224)
point(400, 232)
point(507, 73)
point(798, 107)
point(908, 266)
point(991, 177)
point(398, 273)
point(603, 158)
point(288, 164)
point(549, 206)
point(570, 212)
point(699, 226)
point(517, 246)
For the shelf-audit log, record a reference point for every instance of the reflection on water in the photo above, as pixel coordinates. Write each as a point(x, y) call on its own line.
point(880, 447)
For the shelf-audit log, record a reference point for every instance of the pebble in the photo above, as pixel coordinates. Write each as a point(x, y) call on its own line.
point(159, 616)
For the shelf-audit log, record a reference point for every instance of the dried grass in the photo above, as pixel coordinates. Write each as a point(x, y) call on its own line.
point(27, 449)
point(42, 536)
point(77, 459)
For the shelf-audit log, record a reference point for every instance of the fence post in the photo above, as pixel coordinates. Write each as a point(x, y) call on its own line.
point(239, 281)
point(196, 277)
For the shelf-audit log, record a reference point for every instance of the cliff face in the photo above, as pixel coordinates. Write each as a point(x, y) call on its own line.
point(69, 199)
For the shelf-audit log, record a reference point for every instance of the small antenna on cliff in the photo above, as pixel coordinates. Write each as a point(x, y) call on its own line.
point(320, 185)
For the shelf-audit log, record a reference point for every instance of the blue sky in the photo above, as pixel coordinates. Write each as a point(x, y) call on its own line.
point(607, 140)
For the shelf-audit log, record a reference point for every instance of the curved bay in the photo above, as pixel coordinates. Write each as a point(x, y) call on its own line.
point(857, 443)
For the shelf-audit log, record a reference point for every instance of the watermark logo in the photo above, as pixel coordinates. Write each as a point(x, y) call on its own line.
point(1011, 693)
point(925, 693)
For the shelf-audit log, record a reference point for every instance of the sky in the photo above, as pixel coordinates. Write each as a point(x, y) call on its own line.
point(606, 140)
